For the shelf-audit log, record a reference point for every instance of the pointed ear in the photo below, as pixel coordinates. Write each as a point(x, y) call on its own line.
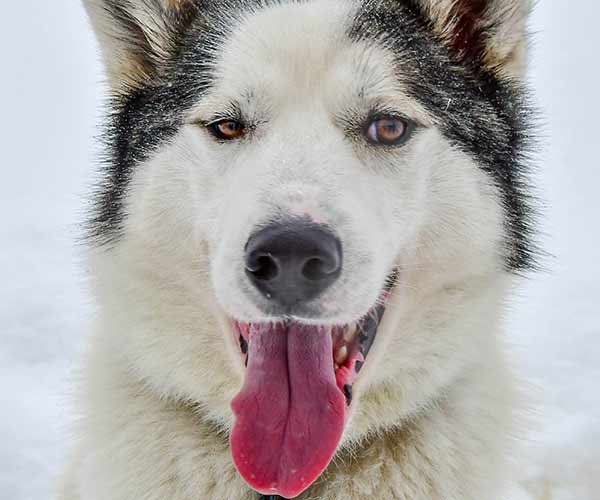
point(136, 36)
point(489, 31)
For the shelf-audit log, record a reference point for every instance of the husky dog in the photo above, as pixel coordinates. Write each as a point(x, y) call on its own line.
point(310, 216)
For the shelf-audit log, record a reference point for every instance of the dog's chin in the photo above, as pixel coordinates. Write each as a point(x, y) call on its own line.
point(297, 396)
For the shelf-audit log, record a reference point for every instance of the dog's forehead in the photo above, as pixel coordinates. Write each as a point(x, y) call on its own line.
point(291, 30)
point(299, 47)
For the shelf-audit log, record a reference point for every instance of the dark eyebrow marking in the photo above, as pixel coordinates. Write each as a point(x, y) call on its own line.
point(490, 118)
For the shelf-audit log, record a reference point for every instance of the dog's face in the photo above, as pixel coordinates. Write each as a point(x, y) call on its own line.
point(328, 139)
point(280, 176)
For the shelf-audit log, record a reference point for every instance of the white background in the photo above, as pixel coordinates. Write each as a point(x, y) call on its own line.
point(50, 105)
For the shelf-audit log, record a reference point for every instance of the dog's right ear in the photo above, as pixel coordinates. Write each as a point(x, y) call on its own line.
point(137, 36)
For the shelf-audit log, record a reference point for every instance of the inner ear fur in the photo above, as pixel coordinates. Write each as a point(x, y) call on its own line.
point(137, 36)
point(491, 32)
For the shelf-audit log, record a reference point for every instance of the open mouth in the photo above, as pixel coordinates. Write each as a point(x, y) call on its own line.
point(291, 412)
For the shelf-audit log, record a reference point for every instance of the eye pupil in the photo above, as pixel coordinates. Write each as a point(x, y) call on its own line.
point(389, 127)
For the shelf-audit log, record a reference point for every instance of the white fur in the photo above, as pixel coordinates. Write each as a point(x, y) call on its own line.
point(432, 417)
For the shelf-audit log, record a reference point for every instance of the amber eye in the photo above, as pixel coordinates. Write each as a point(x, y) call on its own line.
point(387, 131)
point(227, 130)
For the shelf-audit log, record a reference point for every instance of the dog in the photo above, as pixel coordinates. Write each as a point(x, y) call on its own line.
point(308, 223)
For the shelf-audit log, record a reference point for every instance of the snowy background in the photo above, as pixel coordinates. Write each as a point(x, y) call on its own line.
point(50, 105)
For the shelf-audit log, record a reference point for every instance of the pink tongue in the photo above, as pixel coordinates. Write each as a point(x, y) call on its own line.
point(290, 413)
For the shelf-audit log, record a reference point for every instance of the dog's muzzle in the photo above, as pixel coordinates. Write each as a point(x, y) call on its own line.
point(297, 395)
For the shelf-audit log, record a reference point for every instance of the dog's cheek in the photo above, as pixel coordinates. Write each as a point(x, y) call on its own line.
point(235, 211)
point(395, 210)
point(417, 193)
point(159, 205)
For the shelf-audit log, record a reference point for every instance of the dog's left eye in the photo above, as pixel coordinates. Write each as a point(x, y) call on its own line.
point(387, 131)
point(227, 130)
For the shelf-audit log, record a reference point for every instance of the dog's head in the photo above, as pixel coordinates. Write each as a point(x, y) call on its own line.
point(280, 173)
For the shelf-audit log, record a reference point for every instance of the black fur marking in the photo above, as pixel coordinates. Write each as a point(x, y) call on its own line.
point(485, 116)
point(146, 117)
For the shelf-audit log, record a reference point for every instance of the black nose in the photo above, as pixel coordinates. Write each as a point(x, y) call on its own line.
point(293, 262)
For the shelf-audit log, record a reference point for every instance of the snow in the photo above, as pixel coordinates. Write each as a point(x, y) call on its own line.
point(51, 101)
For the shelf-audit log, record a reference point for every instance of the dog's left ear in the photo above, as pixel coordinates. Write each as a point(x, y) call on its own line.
point(489, 31)
point(137, 36)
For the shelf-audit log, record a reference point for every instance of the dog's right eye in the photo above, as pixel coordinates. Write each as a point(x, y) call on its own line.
point(227, 130)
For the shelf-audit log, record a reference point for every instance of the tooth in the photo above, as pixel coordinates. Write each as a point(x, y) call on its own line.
point(350, 332)
point(341, 355)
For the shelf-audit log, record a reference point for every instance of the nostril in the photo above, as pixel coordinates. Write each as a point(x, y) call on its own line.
point(263, 267)
point(316, 269)
point(292, 262)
